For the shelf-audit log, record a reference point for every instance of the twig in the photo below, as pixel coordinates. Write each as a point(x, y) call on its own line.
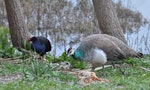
point(99, 68)
point(145, 69)
point(25, 51)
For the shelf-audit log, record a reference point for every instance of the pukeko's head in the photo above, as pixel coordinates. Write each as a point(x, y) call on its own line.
point(40, 44)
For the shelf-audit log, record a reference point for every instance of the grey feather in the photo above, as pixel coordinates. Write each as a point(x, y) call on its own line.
point(114, 48)
point(102, 42)
point(129, 52)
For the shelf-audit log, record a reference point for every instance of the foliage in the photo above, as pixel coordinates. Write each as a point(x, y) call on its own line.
point(135, 78)
point(40, 84)
point(7, 52)
point(68, 16)
point(5, 49)
point(36, 69)
point(7, 68)
point(130, 20)
point(77, 64)
point(4, 43)
point(74, 63)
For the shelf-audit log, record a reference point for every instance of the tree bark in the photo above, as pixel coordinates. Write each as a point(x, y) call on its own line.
point(18, 30)
point(107, 19)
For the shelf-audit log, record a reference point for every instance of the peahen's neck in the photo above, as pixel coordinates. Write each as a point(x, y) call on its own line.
point(78, 54)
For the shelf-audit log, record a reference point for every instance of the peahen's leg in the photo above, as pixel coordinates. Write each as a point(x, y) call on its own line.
point(118, 66)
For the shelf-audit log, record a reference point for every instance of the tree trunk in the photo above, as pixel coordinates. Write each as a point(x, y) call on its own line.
point(18, 30)
point(107, 19)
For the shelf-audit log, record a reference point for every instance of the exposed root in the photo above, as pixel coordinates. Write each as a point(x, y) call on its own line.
point(145, 69)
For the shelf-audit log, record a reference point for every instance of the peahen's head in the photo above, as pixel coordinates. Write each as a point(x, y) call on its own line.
point(70, 51)
point(75, 54)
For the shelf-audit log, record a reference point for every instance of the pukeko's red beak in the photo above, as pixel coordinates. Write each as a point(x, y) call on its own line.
point(29, 39)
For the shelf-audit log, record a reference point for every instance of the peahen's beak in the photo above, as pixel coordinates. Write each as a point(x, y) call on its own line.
point(69, 52)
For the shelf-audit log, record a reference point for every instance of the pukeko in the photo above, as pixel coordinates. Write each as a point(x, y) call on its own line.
point(100, 48)
point(40, 44)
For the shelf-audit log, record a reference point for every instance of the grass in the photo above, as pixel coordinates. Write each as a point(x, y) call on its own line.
point(39, 76)
point(40, 84)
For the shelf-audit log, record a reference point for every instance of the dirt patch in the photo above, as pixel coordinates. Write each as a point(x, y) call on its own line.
point(85, 77)
point(10, 77)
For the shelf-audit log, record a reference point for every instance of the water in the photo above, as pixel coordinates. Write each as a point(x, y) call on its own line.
point(139, 41)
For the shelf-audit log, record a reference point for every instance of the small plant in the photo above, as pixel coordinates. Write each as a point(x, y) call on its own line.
point(7, 68)
point(63, 56)
point(74, 63)
point(4, 43)
point(6, 50)
point(36, 69)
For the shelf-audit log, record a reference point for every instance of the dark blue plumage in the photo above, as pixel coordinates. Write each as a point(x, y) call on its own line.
point(40, 44)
